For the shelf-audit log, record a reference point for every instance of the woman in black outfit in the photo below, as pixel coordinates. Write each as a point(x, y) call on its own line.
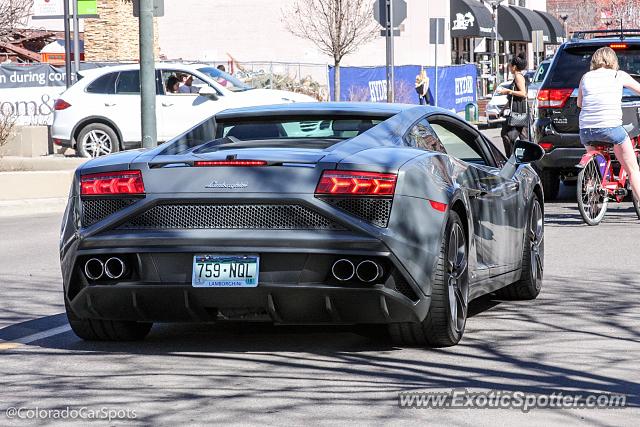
point(516, 101)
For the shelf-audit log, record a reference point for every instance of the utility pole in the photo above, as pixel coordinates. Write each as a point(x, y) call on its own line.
point(76, 37)
point(147, 75)
point(390, 66)
point(67, 45)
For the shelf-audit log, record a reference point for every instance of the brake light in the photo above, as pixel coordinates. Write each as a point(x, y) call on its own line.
point(356, 183)
point(553, 98)
point(107, 183)
point(546, 146)
point(618, 45)
point(205, 163)
point(61, 104)
point(439, 206)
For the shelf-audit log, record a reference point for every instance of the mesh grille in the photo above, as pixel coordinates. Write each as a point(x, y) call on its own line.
point(192, 216)
point(406, 290)
point(375, 211)
point(97, 210)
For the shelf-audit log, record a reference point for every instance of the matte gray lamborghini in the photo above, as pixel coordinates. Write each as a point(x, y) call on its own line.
point(333, 213)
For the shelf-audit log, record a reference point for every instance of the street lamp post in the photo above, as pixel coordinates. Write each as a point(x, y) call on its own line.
point(564, 18)
point(494, 5)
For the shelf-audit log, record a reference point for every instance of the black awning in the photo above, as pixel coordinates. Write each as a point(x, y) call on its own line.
point(511, 26)
point(533, 22)
point(555, 27)
point(470, 18)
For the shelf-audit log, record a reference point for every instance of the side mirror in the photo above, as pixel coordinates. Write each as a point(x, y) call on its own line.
point(527, 152)
point(209, 92)
point(523, 152)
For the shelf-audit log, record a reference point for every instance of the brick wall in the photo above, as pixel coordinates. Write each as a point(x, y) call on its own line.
point(114, 36)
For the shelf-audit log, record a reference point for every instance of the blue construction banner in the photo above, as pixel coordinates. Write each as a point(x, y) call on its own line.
point(456, 84)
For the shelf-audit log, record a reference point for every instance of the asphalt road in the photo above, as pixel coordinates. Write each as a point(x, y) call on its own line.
point(582, 335)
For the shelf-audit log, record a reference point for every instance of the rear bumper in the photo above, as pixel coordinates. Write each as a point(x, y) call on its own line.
point(567, 149)
point(282, 304)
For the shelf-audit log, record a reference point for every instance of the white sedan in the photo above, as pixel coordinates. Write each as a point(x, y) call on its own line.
point(100, 114)
point(497, 104)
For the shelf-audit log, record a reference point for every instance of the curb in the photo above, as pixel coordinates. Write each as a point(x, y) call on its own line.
point(35, 184)
point(30, 207)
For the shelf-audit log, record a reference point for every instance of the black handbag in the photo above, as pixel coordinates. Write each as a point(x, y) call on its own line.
point(518, 119)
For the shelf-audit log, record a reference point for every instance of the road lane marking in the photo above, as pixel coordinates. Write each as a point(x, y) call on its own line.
point(41, 335)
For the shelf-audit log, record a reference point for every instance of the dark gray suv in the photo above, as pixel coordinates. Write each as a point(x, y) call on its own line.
point(556, 111)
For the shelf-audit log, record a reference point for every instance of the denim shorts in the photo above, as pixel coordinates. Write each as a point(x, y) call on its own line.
point(616, 135)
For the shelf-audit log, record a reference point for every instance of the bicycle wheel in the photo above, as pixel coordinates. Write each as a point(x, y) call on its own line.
point(592, 198)
point(636, 203)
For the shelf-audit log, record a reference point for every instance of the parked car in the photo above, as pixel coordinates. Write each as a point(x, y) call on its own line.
point(497, 104)
point(100, 114)
point(537, 78)
point(556, 125)
point(392, 215)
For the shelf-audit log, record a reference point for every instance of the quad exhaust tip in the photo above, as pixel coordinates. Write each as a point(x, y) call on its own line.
point(368, 271)
point(115, 268)
point(343, 270)
point(94, 269)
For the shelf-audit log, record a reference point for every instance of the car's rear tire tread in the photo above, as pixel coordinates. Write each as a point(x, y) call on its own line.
point(107, 330)
point(550, 184)
point(434, 330)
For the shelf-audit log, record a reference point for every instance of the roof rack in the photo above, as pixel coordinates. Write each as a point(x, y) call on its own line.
point(590, 34)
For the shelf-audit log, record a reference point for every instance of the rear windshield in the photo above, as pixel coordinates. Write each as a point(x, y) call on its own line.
point(296, 128)
point(572, 63)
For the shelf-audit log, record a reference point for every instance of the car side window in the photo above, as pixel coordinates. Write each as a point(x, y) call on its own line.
point(459, 143)
point(421, 135)
point(103, 84)
point(128, 83)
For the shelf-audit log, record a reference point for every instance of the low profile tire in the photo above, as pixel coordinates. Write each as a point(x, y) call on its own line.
point(97, 139)
point(106, 330)
point(550, 183)
point(445, 322)
point(530, 283)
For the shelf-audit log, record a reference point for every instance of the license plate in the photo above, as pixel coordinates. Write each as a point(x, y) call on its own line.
point(218, 271)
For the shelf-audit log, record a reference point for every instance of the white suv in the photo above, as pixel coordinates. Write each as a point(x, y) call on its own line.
point(100, 114)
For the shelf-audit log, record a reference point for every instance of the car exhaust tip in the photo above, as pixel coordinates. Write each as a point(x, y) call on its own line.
point(343, 270)
point(115, 268)
point(94, 269)
point(368, 271)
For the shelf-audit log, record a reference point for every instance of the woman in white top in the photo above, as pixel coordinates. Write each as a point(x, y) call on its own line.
point(600, 100)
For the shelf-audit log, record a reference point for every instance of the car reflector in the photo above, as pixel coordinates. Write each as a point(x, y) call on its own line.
point(61, 104)
point(546, 146)
point(205, 163)
point(439, 206)
point(356, 183)
point(107, 183)
point(553, 98)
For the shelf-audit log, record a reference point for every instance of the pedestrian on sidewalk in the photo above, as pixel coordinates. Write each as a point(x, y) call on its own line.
point(422, 87)
point(517, 109)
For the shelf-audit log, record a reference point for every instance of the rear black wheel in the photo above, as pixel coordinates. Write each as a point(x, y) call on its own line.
point(530, 283)
point(550, 183)
point(592, 198)
point(446, 320)
point(106, 330)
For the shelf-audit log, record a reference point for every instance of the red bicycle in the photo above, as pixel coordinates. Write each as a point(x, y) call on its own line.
point(602, 179)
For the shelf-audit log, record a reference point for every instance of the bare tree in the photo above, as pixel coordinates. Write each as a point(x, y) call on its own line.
point(7, 127)
point(13, 15)
point(626, 10)
point(337, 27)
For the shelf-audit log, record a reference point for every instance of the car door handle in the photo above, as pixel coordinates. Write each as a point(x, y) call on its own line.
point(167, 104)
point(513, 186)
point(109, 104)
point(474, 194)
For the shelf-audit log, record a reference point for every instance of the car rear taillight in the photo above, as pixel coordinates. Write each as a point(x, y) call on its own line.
point(61, 104)
point(205, 163)
point(546, 146)
point(356, 183)
point(109, 183)
point(553, 98)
